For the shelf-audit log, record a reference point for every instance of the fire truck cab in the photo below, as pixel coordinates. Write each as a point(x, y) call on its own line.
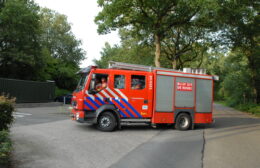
point(130, 94)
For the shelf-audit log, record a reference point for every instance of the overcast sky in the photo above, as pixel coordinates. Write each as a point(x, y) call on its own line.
point(81, 14)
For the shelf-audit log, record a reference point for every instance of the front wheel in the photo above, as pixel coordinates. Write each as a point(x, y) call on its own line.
point(183, 122)
point(106, 122)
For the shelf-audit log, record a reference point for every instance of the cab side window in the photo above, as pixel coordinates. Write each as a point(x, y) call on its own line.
point(137, 82)
point(101, 81)
point(119, 81)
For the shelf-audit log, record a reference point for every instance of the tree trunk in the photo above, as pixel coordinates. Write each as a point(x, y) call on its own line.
point(157, 50)
point(174, 64)
point(253, 62)
point(256, 86)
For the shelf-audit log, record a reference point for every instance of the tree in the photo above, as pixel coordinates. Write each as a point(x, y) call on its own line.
point(241, 22)
point(129, 51)
point(19, 40)
point(151, 18)
point(61, 48)
point(37, 44)
point(185, 44)
point(58, 38)
point(236, 86)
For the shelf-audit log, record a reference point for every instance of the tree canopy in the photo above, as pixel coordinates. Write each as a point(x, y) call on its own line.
point(37, 44)
point(222, 36)
point(151, 19)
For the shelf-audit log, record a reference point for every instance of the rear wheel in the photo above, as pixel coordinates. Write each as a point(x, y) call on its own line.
point(106, 122)
point(183, 122)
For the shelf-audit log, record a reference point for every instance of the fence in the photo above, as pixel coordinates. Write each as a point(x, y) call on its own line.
point(28, 91)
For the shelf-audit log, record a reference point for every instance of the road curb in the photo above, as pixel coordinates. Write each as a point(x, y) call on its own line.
point(32, 105)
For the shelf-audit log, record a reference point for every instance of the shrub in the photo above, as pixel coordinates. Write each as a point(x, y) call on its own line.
point(61, 92)
point(6, 112)
point(5, 148)
point(255, 110)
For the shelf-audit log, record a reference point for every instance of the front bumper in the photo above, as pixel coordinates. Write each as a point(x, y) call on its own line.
point(83, 116)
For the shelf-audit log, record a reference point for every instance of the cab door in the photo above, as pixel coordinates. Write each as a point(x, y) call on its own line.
point(138, 102)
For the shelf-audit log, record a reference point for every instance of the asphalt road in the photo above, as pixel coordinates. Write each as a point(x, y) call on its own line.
point(45, 138)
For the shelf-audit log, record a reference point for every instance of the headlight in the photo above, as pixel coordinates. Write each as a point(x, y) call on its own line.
point(77, 116)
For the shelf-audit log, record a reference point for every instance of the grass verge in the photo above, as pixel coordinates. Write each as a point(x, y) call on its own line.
point(249, 107)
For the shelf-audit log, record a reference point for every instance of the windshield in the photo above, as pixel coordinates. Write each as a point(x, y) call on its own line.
point(82, 82)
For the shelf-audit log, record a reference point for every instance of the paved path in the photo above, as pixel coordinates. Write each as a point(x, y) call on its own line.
point(233, 141)
point(48, 139)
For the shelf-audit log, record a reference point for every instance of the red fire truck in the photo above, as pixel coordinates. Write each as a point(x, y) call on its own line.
point(131, 94)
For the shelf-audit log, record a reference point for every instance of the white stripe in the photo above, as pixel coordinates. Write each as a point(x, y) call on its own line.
point(18, 113)
point(122, 94)
point(111, 92)
point(99, 96)
point(92, 97)
point(18, 116)
point(184, 75)
point(105, 94)
point(137, 98)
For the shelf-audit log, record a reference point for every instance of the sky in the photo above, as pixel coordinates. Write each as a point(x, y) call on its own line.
point(81, 14)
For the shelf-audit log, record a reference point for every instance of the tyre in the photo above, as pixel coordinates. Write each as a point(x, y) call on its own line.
point(183, 122)
point(106, 122)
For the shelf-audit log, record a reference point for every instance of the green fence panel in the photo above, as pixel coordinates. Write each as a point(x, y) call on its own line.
point(28, 91)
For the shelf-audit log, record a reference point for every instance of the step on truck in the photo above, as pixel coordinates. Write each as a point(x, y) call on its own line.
point(135, 94)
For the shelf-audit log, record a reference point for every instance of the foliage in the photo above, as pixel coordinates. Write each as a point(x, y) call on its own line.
point(129, 51)
point(60, 48)
point(236, 83)
point(6, 112)
point(37, 44)
point(241, 27)
point(58, 38)
point(19, 40)
point(184, 45)
point(60, 92)
point(222, 36)
point(5, 148)
point(150, 19)
point(255, 110)
point(250, 108)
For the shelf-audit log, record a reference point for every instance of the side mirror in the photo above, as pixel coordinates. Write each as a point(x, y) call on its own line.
point(92, 91)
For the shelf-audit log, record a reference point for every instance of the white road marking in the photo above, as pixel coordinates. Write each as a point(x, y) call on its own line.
point(20, 115)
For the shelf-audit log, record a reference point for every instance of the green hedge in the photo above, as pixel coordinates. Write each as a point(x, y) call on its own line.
point(5, 148)
point(6, 112)
point(6, 119)
point(255, 110)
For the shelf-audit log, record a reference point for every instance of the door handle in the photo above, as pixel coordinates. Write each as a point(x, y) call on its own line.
point(145, 101)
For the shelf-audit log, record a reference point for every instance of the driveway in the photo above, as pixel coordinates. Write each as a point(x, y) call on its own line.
point(45, 137)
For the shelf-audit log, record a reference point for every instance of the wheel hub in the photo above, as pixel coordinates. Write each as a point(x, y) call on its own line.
point(105, 122)
point(184, 122)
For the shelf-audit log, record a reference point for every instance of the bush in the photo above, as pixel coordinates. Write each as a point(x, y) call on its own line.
point(6, 112)
point(255, 110)
point(246, 107)
point(249, 107)
point(61, 92)
point(5, 148)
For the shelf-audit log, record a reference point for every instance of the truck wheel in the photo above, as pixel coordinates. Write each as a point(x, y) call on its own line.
point(106, 122)
point(183, 122)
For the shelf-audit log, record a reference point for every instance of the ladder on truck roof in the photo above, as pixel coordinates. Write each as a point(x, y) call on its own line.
point(136, 67)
